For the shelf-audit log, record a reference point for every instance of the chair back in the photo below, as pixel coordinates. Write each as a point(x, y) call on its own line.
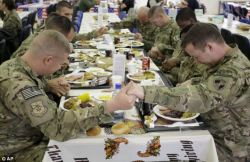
point(243, 44)
point(227, 35)
point(2, 51)
point(25, 32)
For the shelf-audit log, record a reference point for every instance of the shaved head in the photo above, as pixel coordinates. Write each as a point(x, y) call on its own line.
point(49, 42)
point(143, 11)
point(155, 10)
point(142, 15)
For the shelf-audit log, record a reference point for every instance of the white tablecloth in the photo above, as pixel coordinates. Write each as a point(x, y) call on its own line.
point(233, 28)
point(188, 145)
point(89, 23)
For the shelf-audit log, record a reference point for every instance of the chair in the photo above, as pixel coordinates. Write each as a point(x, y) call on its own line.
point(2, 51)
point(25, 32)
point(245, 20)
point(32, 19)
point(25, 21)
point(76, 27)
point(243, 44)
point(79, 14)
point(51, 8)
point(122, 15)
point(227, 35)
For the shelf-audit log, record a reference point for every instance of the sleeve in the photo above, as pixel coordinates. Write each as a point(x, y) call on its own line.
point(86, 36)
point(12, 26)
point(32, 104)
point(168, 47)
point(123, 24)
point(213, 93)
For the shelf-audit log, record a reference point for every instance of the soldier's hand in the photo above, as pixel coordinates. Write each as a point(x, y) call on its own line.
point(122, 101)
point(168, 64)
point(136, 90)
point(156, 54)
point(59, 86)
point(138, 36)
point(101, 31)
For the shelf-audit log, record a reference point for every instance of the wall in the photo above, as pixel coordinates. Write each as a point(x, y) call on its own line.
point(213, 5)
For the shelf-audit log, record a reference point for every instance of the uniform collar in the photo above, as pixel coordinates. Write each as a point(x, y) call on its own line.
point(231, 53)
point(27, 68)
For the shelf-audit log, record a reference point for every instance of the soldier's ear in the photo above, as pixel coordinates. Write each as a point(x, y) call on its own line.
point(47, 60)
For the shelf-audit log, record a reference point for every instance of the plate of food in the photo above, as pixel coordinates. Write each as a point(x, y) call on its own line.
point(243, 27)
point(173, 115)
point(86, 43)
point(85, 79)
point(94, 70)
point(142, 75)
point(73, 103)
point(135, 43)
point(82, 56)
point(103, 96)
point(121, 45)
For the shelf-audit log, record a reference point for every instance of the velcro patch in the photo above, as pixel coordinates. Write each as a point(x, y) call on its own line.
point(37, 109)
point(31, 92)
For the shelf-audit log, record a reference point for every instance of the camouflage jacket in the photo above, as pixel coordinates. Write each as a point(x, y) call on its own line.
point(12, 26)
point(222, 95)
point(27, 114)
point(167, 38)
point(148, 30)
point(87, 36)
point(12, 23)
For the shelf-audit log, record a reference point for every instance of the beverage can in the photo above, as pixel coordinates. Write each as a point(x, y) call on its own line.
point(145, 63)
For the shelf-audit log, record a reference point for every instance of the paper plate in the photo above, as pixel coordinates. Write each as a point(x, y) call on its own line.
point(130, 76)
point(156, 110)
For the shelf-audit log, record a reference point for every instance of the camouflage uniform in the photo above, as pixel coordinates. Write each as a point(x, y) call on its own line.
point(27, 116)
point(12, 26)
point(86, 36)
point(167, 38)
point(148, 31)
point(222, 95)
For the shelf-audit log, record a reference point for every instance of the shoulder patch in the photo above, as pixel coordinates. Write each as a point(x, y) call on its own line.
point(38, 109)
point(31, 92)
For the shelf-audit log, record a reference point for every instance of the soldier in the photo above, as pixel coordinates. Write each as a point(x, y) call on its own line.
point(53, 22)
point(181, 66)
point(11, 26)
point(64, 8)
point(28, 118)
point(167, 38)
point(221, 94)
point(146, 30)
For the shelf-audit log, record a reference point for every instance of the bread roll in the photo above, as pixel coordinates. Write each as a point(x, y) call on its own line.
point(95, 131)
point(120, 128)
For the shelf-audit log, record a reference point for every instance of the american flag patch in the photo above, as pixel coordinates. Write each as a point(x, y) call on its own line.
point(31, 92)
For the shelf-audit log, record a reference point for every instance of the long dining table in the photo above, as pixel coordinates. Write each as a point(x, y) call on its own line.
point(168, 142)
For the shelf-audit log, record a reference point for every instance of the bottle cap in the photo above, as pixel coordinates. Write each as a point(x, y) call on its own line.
point(118, 85)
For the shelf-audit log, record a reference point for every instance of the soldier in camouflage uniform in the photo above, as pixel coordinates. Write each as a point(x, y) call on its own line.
point(221, 95)
point(64, 8)
point(11, 26)
point(167, 38)
point(185, 18)
point(28, 118)
point(53, 22)
point(146, 30)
